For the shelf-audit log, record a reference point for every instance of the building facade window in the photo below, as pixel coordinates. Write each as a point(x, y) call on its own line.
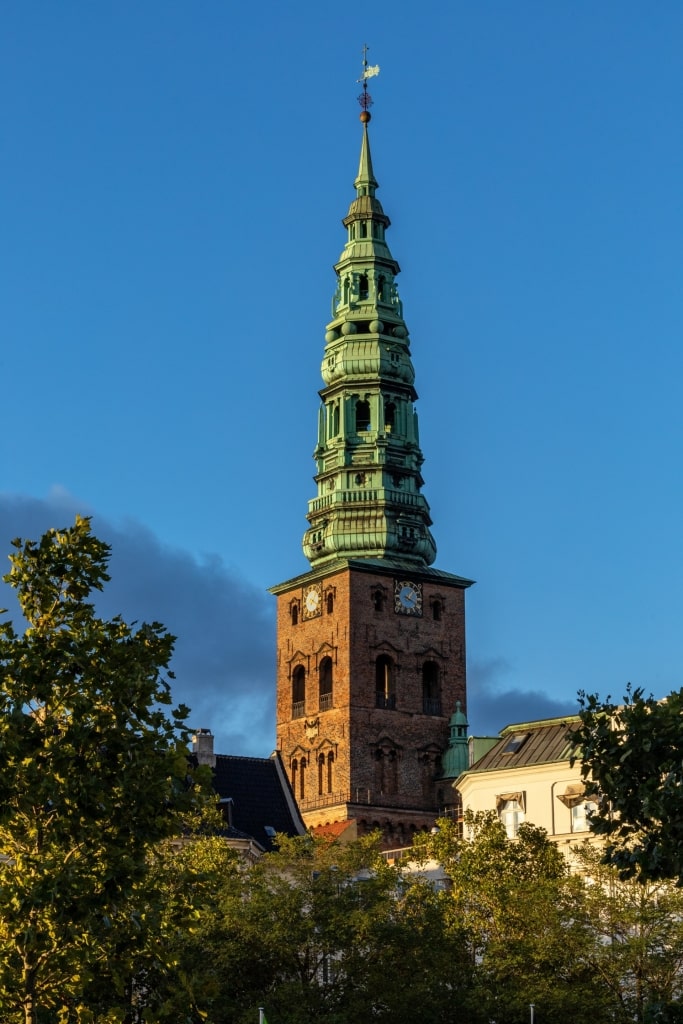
point(302, 778)
point(325, 697)
point(330, 770)
point(512, 815)
point(431, 689)
point(581, 813)
point(385, 692)
point(299, 692)
point(362, 416)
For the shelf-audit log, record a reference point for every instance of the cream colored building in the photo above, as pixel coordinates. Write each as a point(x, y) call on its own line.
point(527, 776)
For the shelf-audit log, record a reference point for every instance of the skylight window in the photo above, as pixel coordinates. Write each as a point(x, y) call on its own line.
point(516, 742)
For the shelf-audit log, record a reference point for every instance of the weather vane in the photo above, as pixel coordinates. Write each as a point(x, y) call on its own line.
point(365, 99)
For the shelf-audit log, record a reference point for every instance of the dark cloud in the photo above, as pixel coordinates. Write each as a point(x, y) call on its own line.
point(491, 706)
point(224, 658)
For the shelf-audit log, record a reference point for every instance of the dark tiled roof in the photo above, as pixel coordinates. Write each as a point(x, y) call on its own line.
point(530, 743)
point(261, 796)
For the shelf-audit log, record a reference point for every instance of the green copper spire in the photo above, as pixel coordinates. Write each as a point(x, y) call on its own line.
point(456, 758)
point(366, 175)
point(369, 502)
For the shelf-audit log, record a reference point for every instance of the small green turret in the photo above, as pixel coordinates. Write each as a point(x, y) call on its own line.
point(456, 758)
point(369, 502)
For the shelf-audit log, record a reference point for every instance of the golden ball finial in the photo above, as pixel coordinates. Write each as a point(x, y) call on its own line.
point(365, 116)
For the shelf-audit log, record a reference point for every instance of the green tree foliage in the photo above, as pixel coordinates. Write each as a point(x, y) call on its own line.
point(319, 931)
point(517, 902)
point(638, 957)
point(94, 769)
point(632, 761)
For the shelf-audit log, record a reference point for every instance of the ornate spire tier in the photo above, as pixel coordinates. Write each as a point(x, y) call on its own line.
point(369, 502)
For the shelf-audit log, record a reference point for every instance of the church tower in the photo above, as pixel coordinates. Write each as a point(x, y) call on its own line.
point(370, 641)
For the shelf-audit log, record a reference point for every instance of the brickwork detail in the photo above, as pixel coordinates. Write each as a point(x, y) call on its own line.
point(364, 695)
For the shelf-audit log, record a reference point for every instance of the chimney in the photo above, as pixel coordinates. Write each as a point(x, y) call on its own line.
point(202, 747)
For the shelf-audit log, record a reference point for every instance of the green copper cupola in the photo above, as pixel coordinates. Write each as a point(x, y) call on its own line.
point(369, 502)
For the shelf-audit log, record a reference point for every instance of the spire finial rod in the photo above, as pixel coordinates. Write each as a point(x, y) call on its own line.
point(365, 99)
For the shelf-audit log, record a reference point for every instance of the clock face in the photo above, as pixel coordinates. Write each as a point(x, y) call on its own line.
point(407, 597)
point(312, 601)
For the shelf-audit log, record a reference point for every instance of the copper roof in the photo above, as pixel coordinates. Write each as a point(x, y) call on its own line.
point(529, 743)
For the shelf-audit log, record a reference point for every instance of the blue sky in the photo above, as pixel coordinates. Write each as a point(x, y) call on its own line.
point(173, 179)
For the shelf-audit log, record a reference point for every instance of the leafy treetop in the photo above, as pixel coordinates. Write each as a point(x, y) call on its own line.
point(632, 762)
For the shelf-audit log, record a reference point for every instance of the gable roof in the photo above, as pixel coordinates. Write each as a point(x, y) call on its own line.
point(261, 798)
point(528, 743)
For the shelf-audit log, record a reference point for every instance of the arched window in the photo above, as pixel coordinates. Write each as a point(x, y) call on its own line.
point(329, 600)
point(295, 774)
point(295, 613)
point(385, 696)
point(330, 763)
point(437, 609)
point(390, 415)
point(379, 600)
point(431, 695)
point(381, 282)
point(335, 420)
point(363, 287)
point(362, 416)
point(321, 774)
point(302, 778)
point(363, 229)
point(325, 684)
point(299, 692)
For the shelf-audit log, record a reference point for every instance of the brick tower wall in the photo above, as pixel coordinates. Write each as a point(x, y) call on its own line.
point(384, 757)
